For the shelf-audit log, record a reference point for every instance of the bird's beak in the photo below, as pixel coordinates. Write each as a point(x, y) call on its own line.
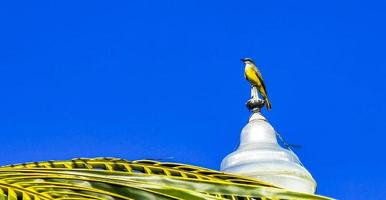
point(242, 59)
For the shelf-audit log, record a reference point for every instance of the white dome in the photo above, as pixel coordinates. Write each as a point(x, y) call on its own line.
point(260, 156)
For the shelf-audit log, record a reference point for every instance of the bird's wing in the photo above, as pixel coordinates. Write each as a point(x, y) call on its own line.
point(260, 77)
point(258, 73)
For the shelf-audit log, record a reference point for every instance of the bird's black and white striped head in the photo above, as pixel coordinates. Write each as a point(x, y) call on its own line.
point(247, 60)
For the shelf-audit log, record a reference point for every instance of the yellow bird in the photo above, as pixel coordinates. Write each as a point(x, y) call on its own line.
point(253, 75)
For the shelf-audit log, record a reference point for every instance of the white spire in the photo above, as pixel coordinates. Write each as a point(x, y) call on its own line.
point(260, 156)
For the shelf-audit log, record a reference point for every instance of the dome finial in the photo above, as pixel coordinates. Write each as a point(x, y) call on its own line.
point(254, 104)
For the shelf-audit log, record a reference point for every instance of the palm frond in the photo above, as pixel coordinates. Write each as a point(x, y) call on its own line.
point(110, 178)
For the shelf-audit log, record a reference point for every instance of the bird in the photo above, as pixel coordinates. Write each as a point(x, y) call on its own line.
point(253, 76)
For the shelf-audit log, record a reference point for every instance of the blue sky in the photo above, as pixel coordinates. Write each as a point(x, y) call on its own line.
point(157, 79)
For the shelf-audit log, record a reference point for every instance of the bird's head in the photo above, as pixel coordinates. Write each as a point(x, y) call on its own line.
point(247, 60)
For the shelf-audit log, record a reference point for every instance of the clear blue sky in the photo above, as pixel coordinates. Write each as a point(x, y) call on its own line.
point(154, 79)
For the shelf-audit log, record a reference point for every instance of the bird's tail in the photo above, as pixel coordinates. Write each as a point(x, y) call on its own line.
point(268, 104)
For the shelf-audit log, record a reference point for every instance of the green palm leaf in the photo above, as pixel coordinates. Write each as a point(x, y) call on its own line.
point(108, 178)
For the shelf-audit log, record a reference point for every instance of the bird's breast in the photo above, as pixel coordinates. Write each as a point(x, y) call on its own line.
point(250, 75)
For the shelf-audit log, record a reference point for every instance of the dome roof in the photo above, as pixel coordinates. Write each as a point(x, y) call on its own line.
point(260, 156)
